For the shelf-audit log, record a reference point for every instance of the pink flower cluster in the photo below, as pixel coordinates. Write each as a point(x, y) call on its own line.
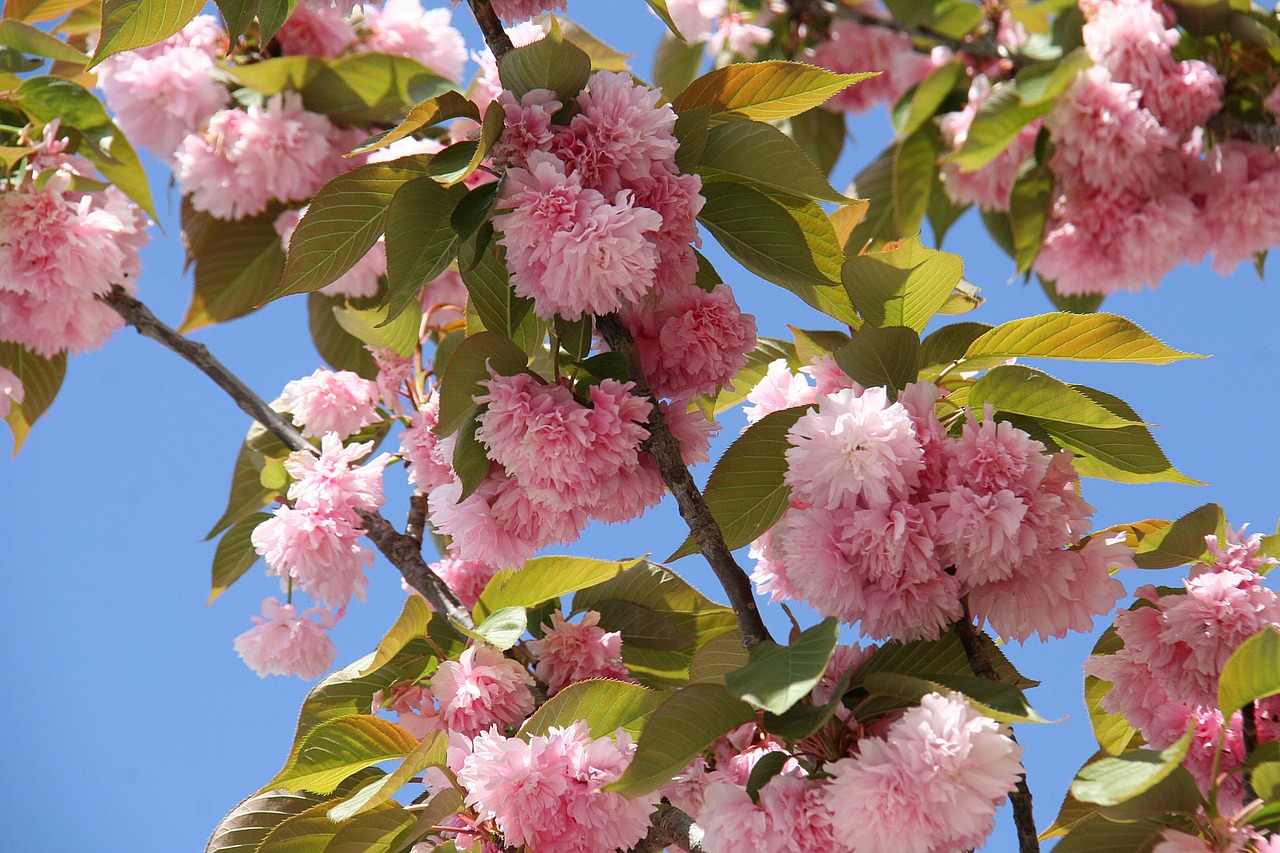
point(61, 248)
point(284, 642)
point(988, 187)
point(315, 542)
point(1165, 679)
point(1138, 190)
point(710, 21)
point(851, 48)
point(929, 782)
point(327, 401)
point(893, 521)
point(571, 652)
point(546, 793)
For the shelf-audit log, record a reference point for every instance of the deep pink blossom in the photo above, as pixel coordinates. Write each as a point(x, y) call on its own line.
point(332, 402)
point(989, 186)
point(403, 28)
point(413, 705)
point(931, 785)
point(284, 642)
point(570, 652)
point(568, 248)
point(621, 134)
point(481, 689)
point(324, 32)
point(526, 126)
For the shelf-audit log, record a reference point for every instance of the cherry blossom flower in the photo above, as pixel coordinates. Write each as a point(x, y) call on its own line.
point(332, 402)
point(481, 689)
point(852, 48)
point(332, 485)
point(11, 391)
point(465, 578)
point(403, 28)
point(779, 389)
point(425, 454)
point(324, 32)
point(511, 11)
point(284, 642)
point(570, 652)
point(320, 554)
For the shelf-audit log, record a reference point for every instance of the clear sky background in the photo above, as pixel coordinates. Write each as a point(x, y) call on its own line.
point(129, 725)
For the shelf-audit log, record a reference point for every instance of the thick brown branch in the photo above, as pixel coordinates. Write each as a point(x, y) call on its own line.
point(665, 450)
point(671, 827)
point(1023, 817)
point(1260, 133)
point(494, 35)
point(1249, 728)
point(404, 552)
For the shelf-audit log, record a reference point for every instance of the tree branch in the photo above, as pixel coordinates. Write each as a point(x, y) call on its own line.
point(1023, 818)
point(983, 48)
point(1249, 729)
point(1229, 127)
point(671, 826)
point(403, 551)
point(665, 450)
point(494, 35)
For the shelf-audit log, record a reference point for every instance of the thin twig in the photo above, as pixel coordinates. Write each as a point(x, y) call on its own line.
point(494, 35)
point(1023, 817)
point(665, 450)
point(403, 551)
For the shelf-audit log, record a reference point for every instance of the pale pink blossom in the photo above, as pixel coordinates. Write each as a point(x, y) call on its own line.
point(738, 35)
point(324, 32)
point(321, 555)
point(733, 822)
point(403, 28)
point(511, 11)
point(931, 785)
point(988, 187)
point(1238, 554)
point(11, 391)
point(498, 523)
point(852, 48)
point(994, 455)
point(47, 328)
point(394, 371)
point(333, 484)
point(854, 446)
point(284, 642)
point(828, 375)
point(203, 33)
point(630, 492)
point(691, 341)
point(1172, 841)
point(482, 689)
point(332, 402)
point(547, 794)
point(465, 578)
point(568, 248)
point(691, 429)
point(444, 300)
point(1237, 191)
point(570, 652)
point(1186, 96)
point(428, 463)
point(979, 533)
point(413, 705)
point(244, 159)
point(1129, 38)
point(779, 389)
point(770, 573)
point(693, 18)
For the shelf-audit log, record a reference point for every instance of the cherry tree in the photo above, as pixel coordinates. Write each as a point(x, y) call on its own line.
point(504, 279)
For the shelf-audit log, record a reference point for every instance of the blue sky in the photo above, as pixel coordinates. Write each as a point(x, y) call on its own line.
point(129, 724)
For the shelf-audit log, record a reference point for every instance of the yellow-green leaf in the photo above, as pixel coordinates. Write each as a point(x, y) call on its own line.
point(412, 622)
point(765, 91)
point(128, 24)
point(337, 748)
point(234, 555)
point(430, 753)
point(604, 704)
point(40, 377)
point(1251, 673)
point(1115, 779)
point(545, 578)
point(1077, 337)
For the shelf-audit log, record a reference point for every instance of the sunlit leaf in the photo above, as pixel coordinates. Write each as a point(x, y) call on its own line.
point(335, 749)
point(765, 91)
point(544, 578)
point(1182, 542)
point(1077, 337)
point(412, 622)
point(1115, 779)
point(902, 286)
point(760, 153)
point(605, 705)
point(234, 555)
point(1251, 673)
point(127, 24)
point(776, 677)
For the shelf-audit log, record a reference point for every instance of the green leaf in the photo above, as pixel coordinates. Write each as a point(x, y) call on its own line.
point(344, 220)
point(769, 765)
point(761, 234)
point(500, 629)
point(642, 627)
point(337, 748)
point(875, 183)
point(1081, 303)
point(777, 677)
point(367, 88)
point(1251, 673)
point(904, 286)
point(676, 64)
point(1115, 779)
point(949, 344)
point(443, 107)
point(41, 378)
point(1070, 813)
point(1077, 337)
point(1017, 390)
point(468, 367)
point(281, 74)
point(237, 15)
point(717, 657)
point(1177, 793)
point(127, 24)
point(943, 656)
point(943, 213)
point(549, 63)
point(1182, 542)
point(679, 729)
point(767, 351)
point(27, 39)
point(490, 133)
point(922, 102)
point(755, 152)
point(371, 326)
point(820, 133)
point(247, 492)
point(234, 554)
point(1000, 118)
point(746, 492)
point(412, 622)
point(888, 356)
point(250, 822)
point(237, 264)
point(50, 98)
point(765, 91)
point(1044, 82)
point(915, 172)
point(304, 833)
point(470, 460)
point(813, 344)
point(340, 349)
point(545, 578)
point(421, 242)
point(489, 288)
point(1112, 731)
point(1029, 203)
point(377, 831)
point(606, 706)
point(429, 753)
point(603, 57)
point(1099, 835)
point(659, 8)
point(1003, 703)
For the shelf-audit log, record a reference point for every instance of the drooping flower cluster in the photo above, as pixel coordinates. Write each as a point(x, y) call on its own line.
point(851, 48)
point(990, 186)
point(570, 652)
point(893, 521)
point(1165, 678)
point(60, 248)
point(328, 401)
point(284, 642)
